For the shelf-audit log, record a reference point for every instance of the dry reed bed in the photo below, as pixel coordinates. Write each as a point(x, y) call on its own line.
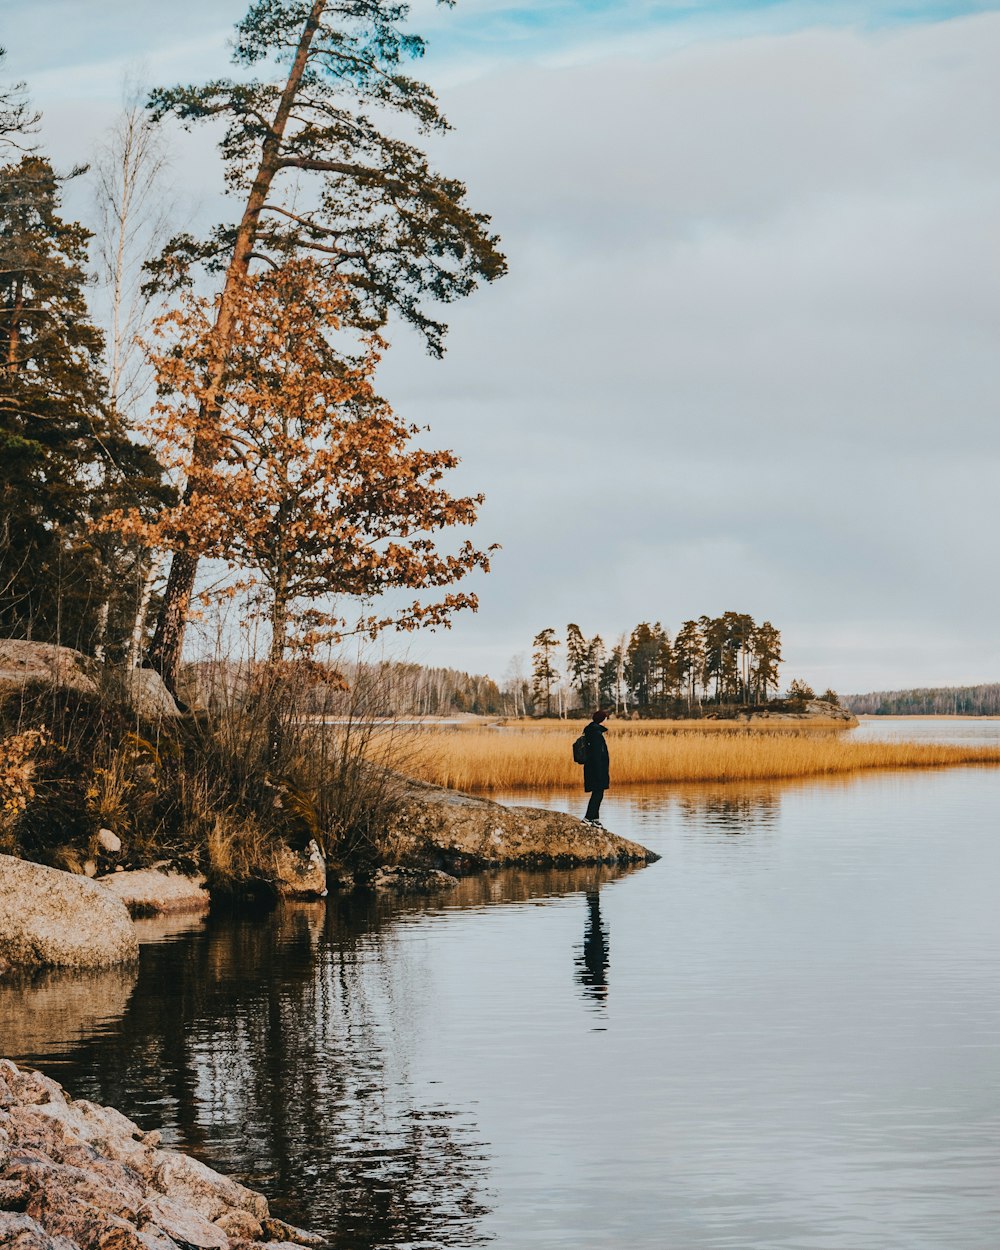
point(491, 760)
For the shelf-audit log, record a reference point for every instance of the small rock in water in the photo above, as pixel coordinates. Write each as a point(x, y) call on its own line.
point(413, 880)
point(157, 892)
point(300, 874)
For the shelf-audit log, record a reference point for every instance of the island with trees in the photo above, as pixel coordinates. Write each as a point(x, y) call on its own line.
point(721, 667)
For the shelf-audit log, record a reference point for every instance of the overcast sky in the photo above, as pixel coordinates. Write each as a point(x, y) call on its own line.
point(746, 356)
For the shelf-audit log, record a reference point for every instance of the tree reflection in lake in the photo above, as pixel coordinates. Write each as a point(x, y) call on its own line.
point(735, 809)
point(275, 1050)
point(278, 1049)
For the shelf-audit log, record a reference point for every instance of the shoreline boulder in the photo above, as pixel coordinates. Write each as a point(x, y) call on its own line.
point(439, 828)
point(157, 891)
point(75, 1176)
point(53, 919)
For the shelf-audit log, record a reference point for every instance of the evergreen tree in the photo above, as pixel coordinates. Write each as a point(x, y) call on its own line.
point(766, 658)
point(319, 178)
point(664, 672)
point(57, 433)
point(689, 651)
point(595, 666)
point(577, 662)
point(741, 630)
point(544, 673)
point(642, 657)
point(713, 636)
point(608, 682)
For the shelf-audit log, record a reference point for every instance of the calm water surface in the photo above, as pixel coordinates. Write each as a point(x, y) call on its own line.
point(785, 1034)
point(958, 729)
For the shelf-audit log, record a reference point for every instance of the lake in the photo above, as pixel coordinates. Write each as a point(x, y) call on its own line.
point(785, 1033)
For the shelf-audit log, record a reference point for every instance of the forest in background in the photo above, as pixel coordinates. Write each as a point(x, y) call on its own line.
point(981, 700)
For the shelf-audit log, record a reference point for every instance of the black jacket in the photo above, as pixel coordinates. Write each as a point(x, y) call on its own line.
point(595, 771)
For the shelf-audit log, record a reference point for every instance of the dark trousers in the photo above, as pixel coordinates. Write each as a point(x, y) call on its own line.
point(594, 806)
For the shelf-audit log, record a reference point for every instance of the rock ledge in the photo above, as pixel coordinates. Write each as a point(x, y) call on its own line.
point(438, 828)
point(78, 1176)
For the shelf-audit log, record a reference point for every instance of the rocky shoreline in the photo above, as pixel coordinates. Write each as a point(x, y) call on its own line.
point(55, 919)
point(78, 1176)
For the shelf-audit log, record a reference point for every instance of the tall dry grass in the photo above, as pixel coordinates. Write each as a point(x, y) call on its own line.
point(538, 758)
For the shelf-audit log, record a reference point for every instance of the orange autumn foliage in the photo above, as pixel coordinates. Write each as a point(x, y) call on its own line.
point(304, 481)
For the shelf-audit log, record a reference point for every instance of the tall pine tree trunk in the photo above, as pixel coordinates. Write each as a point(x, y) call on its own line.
point(168, 638)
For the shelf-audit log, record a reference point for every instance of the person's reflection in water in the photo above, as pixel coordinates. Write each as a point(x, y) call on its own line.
point(592, 963)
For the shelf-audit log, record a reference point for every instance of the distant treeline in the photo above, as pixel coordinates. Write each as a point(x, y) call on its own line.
point(930, 701)
point(389, 688)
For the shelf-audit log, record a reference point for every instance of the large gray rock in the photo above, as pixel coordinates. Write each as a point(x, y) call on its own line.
point(148, 695)
point(52, 919)
point(157, 892)
point(84, 1176)
point(33, 663)
point(29, 663)
point(435, 827)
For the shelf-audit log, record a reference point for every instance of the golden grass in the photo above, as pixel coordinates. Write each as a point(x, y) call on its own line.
point(536, 758)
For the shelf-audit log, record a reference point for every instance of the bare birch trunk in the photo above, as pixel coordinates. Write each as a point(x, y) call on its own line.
point(134, 653)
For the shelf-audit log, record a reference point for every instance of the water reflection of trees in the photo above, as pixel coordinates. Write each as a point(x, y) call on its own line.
point(730, 809)
point(277, 1050)
point(272, 1050)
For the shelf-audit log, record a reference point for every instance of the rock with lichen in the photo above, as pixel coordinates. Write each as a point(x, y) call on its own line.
point(75, 1175)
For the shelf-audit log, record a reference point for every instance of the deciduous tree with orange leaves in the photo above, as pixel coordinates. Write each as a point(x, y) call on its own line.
point(304, 481)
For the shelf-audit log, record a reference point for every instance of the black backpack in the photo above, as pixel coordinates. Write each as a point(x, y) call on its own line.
point(580, 750)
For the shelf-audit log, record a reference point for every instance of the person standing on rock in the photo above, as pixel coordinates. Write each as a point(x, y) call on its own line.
point(596, 768)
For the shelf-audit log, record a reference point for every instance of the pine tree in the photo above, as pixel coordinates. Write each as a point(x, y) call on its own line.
point(608, 687)
point(689, 649)
point(318, 177)
point(577, 666)
point(642, 657)
point(766, 658)
point(595, 667)
point(544, 673)
point(665, 675)
point(57, 434)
